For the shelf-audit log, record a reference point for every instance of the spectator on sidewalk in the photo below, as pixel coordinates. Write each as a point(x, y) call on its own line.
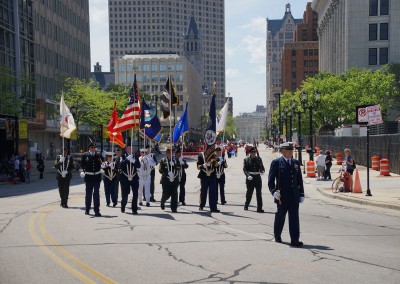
point(38, 153)
point(328, 165)
point(349, 166)
point(28, 171)
point(40, 167)
point(16, 166)
point(320, 165)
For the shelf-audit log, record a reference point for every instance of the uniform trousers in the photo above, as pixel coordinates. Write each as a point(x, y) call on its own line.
point(63, 188)
point(170, 189)
point(92, 189)
point(126, 187)
point(152, 179)
point(182, 189)
point(208, 185)
point(109, 189)
point(116, 188)
point(221, 186)
point(292, 207)
point(144, 188)
point(251, 184)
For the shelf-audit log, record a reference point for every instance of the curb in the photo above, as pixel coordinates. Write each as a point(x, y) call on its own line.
point(359, 201)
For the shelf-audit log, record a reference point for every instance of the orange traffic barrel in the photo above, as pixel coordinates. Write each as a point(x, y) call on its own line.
point(375, 163)
point(339, 158)
point(310, 169)
point(384, 167)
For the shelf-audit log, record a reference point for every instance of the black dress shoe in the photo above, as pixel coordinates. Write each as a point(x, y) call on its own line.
point(215, 211)
point(223, 203)
point(153, 200)
point(246, 207)
point(66, 206)
point(278, 239)
point(87, 212)
point(123, 209)
point(183, 203)
point(134, 212)
point(174, 210)
point(97, 214)
point(144, 199)
point(162, 206)
point(201, 208)
point(141, 203)
point(147, 204)
point(114, 204)
point(296, 244)
point(260, 210)
point(108, 204)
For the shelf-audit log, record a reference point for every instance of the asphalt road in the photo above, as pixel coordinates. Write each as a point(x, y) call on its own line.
point(43, 243)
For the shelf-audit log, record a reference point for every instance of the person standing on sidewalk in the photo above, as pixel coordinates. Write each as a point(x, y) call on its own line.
point(64, 165)
point(320, 165)
point(253, 168)
point(28, 171)
point(40, 167)
point(328, 165)
point(91, 171)
point(349, 166)
point(285, 183)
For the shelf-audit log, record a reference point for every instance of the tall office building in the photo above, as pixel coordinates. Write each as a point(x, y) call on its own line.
point(357, 33)
point(278, 33)
point(41, 43)
point(161, 26)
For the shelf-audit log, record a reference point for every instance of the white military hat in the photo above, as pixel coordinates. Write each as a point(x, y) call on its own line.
point(286, 146)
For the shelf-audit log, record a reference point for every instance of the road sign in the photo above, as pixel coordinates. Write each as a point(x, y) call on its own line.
point(374, 115)
point(361, 114)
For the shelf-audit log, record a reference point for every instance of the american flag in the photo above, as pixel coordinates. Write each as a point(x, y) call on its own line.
point(130, 118)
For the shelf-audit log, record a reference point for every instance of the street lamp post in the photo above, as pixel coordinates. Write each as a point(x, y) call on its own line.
point(299, 146)
point(310, 102)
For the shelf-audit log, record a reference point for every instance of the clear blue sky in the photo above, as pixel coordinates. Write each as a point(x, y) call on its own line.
point(245, 26)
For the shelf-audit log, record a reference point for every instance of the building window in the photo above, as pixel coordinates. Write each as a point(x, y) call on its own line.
point(293, 63)
point(373, 7)
point(293, 52)
point(383, 55)
point(372, 56)
point(293, 75)
point(384, 31)
point(373, 32)
point(384, 7)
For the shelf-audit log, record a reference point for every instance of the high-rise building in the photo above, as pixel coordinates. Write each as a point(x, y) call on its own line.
point(162, 26)
point(41, 43)
point(357, 33)
point(251, 126)
point(278, 33)
point(300, 58)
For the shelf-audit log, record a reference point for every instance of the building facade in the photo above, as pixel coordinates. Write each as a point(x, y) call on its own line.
point(279, 32)
point(151, 75)
point(357, 33)
point(162, 26)
point(251, 126)
point(300, 58)
point(104, 79)
point(41, 43)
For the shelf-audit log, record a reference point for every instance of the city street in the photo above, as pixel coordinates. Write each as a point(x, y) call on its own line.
point(40, 242)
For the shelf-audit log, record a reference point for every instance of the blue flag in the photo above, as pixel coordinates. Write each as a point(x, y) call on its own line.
point(150, 125)
point(210, 136)
point(182, 126)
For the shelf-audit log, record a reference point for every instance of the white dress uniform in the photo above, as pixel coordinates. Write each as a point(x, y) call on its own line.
point(147, 163)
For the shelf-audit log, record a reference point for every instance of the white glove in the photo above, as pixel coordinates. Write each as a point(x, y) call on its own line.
point(172, 163)
point(131, 158)
point(64, 173)
point(103, 165)
point(220, 162)
point(277, 195)
point(205, 166)
point(141, 159)
point(62, 159)
point(171, 175)
point(181, 160)
point(104, 153)
point(221, 159)
point(82, 174)
point(301, 199)
point(249, 178)
point(112, 165)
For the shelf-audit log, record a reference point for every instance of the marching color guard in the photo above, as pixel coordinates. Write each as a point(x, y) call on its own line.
point(110, 179)
point(64, 165)
point(169, 169)
point(208, 180)
point(220, 172)
point(182, 176)
point(253, 167)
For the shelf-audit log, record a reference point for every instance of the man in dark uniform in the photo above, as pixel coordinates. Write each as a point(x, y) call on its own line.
point(208, 181)
point(182, 176)
point(286, 185)
point(117, 160)
point(169, 169)
point(91, 171)
point(129, 179)
point(222, 165)
point(109, 178)
point(64, 165)
point(253, 168)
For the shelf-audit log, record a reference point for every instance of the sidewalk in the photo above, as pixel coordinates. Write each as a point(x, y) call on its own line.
point(385, 190)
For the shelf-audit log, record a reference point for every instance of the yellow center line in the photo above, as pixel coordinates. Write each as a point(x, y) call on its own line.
point(53, 256)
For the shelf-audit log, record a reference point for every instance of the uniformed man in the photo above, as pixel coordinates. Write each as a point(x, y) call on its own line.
point(146, 164)
point(91, 171)
point(64, 165)
point(220, 172)
point(129, 179)
point(117, 160)
point(182, 176)
point(286, 185)
point(208, 181)
point(153, 177)
point(253, 168)
point(169, 169)
point(110, 178)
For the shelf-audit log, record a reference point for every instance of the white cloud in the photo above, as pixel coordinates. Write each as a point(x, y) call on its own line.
point(230, 51)
point(232, 73)
point(255, 47)
point(256, 24)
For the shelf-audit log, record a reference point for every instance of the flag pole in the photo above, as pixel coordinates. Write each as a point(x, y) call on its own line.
point(170, 112)
point(223, 134)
